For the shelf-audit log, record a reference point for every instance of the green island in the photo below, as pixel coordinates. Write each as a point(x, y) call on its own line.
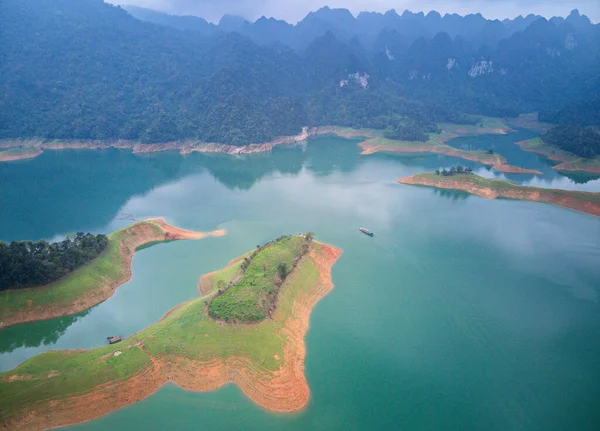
point(567, 160)
point(586, 202)
point(189, 347)
point(93, 282)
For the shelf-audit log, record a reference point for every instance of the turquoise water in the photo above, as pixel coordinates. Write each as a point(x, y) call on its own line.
point(460, 314)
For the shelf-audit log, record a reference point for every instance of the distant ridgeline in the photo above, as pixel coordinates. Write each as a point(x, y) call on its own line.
point(27, 263)
point(93, 71)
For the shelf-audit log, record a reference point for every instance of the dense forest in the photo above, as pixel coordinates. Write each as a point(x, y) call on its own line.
point(27, 263)
point(85, 69)
point(579, 140)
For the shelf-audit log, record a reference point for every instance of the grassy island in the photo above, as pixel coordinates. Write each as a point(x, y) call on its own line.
point(566, 160)
point(93, 282)
point(186, 347)
point(586, 202)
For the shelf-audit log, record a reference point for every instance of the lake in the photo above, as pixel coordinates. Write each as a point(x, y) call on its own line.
point(461, 313)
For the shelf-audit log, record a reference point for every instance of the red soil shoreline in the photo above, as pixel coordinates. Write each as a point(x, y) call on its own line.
point(586, 202)
point(284, 390)
point(565, 160)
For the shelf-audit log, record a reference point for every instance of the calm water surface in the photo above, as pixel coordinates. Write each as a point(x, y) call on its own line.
point(460, 314)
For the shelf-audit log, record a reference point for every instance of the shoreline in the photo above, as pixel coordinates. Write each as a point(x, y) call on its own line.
point(37, 146)
point(566, 161)
point(510, 169)
point(373, 142)
point(100, 288)
point(183, 147)
point(16, 153)
point(280, 389)
point(371, 146)
point(436, 144)
point(586, 202)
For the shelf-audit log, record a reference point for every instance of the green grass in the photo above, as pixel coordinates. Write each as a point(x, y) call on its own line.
point(569, 161)
point(65, 291)
point(58, 375)
point(537, 145)
point(436, 144)
point(484, 125)
point(584, 165)
point(437, 141)
point(186, 334)
point(251, 298)
point(345, 131)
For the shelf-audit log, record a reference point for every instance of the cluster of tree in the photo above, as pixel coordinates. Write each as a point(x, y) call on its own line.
point(27, 263)
point(454, 170)
point(408, 129)
point(585, 112)
point(90, 70)
point(579, 140)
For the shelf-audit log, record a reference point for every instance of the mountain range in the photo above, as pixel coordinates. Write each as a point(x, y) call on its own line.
point(84, 69)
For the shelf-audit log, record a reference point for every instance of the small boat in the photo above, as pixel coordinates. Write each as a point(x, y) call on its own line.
point(365, 231)
point(115, 339)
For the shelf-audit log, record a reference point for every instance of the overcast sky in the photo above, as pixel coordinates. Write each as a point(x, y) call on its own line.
point(294, 10)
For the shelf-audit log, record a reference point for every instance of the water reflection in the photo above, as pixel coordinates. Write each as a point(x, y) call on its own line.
point(506, 146)
point(36, 334)
point(454, 195)
point(67, 191)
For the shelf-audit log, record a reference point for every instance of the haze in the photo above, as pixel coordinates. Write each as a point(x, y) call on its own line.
point(294, 10)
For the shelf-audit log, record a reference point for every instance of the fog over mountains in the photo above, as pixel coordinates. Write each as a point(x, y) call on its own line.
point(84, 69)
point(293, 11)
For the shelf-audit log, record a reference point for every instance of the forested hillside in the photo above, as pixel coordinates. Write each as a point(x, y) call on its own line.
point(28, 263)
point(580, 140)
point(84, 69)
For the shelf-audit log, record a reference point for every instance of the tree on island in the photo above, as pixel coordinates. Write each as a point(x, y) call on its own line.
point(454, 170)
point(282, 270)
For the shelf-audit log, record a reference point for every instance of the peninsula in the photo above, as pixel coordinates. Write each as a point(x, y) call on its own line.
point(586, 202)
point(436, 144)
point(566, 160)
point(190, 347)
point(93, 282)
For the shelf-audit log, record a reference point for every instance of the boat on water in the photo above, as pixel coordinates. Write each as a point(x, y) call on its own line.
point(365, 231)
point(114, 339)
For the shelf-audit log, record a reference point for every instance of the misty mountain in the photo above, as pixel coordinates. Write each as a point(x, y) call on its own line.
point(84, 69)
point(365, 27)
point(192, 23)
